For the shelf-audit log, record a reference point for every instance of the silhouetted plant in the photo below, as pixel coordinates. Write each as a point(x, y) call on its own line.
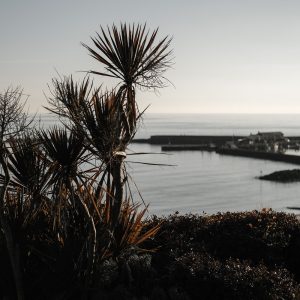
point(61, 214)
point(13, 118)
point(28, 166)
point(64, 151)
point(133, 56)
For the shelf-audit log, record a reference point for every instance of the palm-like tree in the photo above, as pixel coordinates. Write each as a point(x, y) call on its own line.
point(97, 117)
point(43, 183)
point(108, 121)
point(64, 151)
point(131, 55)
point(28, 167)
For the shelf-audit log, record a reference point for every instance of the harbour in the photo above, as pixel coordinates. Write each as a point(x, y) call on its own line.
point(221, 144)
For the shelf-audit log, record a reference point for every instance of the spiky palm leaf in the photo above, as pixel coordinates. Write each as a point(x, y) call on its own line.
point(68, 96)
point(106, 130)
point(98, 116)
point(64, 150)
point(131, 55)
point(109, 120)
point(129, 231)
point(103, 120)
point(28, 167)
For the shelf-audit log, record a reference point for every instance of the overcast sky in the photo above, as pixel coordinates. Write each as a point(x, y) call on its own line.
point(231, 56)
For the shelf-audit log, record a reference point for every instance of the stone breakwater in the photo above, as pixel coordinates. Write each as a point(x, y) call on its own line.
point(283, 176)
point(294, 159)
point(188, 139)
point(218, 140)
point(205, 142)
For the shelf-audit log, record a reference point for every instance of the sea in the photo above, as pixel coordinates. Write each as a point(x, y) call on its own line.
point(206, 182)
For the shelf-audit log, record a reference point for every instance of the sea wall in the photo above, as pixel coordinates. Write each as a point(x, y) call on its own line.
point(218, 140)
point(187, 139)
point(186, 147)
point(295, 159)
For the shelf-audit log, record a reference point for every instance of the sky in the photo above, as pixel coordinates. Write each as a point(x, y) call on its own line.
point(230, 56)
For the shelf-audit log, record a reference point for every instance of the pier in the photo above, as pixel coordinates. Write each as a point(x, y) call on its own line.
point(188, 140)
point(294, 159)
point(215, 143)
point(203, 147)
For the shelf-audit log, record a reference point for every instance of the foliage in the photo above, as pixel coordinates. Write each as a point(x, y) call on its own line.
point(13, 119)
point(107, 121)
point(61, 214)
point(257, 235)
point(70, 229)
point(231, 279)
point(131, 55)
point(246, 255)
point(28, 167)
point(187, 267)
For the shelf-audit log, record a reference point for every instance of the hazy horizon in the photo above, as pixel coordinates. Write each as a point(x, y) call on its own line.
point(230, 56)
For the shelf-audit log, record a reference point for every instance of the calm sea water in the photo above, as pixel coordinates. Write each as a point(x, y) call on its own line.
point(207, 182)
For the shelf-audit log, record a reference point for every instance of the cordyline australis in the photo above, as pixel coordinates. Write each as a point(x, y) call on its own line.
point(108, 120)
point(65, 197)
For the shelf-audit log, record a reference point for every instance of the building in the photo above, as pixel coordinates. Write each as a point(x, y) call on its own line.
point(265, 141)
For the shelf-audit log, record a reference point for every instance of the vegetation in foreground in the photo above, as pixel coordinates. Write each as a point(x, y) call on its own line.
point(247, 255)
point(66, 202)
point(70, 228)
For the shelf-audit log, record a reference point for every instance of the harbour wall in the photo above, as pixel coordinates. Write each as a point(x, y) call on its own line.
point(187, 139)
point(185, 147)
point(218, 140)
point(294, 159)
point(204, 142)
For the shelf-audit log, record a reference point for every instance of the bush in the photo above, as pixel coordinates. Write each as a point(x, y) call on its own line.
point(246, 255)
point(206, 277)
point(266, 236)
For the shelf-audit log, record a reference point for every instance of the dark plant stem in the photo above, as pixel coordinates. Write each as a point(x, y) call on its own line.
point(118, 188)
point(94, 240)
point(12, 247)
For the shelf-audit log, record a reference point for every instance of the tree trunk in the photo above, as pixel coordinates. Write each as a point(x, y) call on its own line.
point(12, 247)
point(14, 255)
point(118, 188)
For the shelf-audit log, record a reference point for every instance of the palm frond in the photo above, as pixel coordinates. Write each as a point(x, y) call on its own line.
point(64, 150)
point(101, 117)
point(131, 55)
point(130, 228)
point(28, 167)
point(68, 97)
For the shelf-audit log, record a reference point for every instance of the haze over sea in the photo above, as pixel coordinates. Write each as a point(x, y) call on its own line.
point(205, 181)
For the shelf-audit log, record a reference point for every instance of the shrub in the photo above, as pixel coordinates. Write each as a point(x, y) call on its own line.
point(266, 235)
point(245, 255)
point(204, 276)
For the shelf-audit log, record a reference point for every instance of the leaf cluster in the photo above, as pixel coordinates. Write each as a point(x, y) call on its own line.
point(131, 55)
